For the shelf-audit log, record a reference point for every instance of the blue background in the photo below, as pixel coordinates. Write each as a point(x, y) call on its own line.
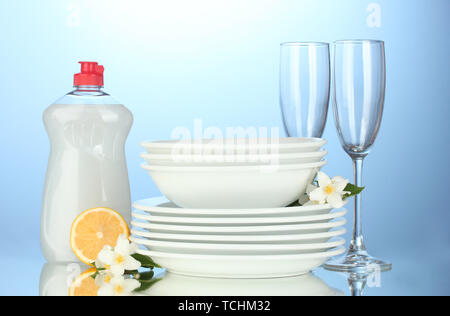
point(170, 62)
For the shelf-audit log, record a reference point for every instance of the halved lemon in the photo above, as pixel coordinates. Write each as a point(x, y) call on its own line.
point(84, 285)
point(94, 229)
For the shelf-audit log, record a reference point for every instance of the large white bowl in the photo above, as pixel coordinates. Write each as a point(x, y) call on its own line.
point(233, 160)
point(234, 146)
point(239, 221)
point(213, 248)
point(161, 206)
point(234, 187)
point(241, 267)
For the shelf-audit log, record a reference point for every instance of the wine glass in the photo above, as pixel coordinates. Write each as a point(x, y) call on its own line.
point(359, 90)
point(304, 88)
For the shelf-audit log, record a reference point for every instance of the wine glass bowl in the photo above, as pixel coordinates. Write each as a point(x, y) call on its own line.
point(304, 87)
point(359, 91)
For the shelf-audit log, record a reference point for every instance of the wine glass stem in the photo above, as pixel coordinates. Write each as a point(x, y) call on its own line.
point(357, 284)
point(357, 244)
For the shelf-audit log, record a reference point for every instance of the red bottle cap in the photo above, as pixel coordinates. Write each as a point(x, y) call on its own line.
point(91, 75)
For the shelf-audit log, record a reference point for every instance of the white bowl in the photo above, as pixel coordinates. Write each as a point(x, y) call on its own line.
point(240, 221)
point(234, 146)
point(241, 230)
point(234, 187)
point(212, 248)
point(162, 207)
point(243, 239)
point(241, 267)
point(233, 160)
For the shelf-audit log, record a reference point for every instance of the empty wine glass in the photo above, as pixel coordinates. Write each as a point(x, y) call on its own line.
point(359, 90)
point(304, 88)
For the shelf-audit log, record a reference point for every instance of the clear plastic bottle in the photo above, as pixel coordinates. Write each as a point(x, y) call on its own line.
point(87, 167)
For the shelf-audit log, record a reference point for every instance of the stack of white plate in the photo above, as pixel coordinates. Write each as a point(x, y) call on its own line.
point(225, 214)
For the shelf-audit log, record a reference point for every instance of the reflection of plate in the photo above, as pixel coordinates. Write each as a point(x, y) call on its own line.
point(178, 285)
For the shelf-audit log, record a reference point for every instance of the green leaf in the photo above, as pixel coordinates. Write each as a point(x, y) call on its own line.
point(146, 261)
point(146, 285)
point(296, 203)
point(145, 276)
point(94, 276)
point(353, 189)
point(131, 272)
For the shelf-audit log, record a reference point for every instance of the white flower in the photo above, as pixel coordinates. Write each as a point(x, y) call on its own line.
point(329, 191)
point(118, 286)
point(119, 259)
point(98, 263)
point(103, 278)
point(305, 201)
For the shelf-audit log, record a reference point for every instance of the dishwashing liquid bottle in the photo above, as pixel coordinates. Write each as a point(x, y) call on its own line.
point(87, 168)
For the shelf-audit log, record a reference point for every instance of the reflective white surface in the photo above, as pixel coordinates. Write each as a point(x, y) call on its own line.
point(55, 280)
point(178, 285)
point(27, 274)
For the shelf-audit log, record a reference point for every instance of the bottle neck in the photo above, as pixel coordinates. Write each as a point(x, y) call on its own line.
point(88, 88)
point(88, 91)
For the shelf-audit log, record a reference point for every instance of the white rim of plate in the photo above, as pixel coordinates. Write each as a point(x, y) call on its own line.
point(237, 158)
point(278, 257)
point(239, 238)
point(237, 247)
point(289, 142)
point(257, 168)
point(139, 205)
point(239, 229)
point(242, 220)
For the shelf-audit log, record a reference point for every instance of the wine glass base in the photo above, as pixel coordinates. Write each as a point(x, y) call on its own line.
point(360, 262)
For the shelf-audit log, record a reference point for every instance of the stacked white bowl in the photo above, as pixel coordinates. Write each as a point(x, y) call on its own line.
point(225, 212)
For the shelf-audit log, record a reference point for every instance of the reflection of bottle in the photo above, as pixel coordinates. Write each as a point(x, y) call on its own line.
point(87, 167)
point(178, 285)
point(56, 278)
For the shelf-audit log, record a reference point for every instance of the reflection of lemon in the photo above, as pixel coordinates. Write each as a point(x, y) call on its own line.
point(94, 229)
point(84, 285)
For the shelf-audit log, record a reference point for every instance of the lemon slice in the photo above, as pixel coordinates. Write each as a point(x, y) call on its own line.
point(94, 229)
point(84, 285)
